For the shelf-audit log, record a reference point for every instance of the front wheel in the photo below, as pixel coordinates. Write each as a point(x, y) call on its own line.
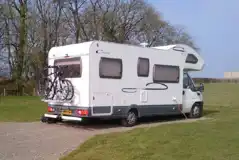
point(196, 111)
point(45, 89)
point(70, 89)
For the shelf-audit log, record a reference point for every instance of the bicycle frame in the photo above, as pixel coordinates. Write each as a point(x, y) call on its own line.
point(57, 78)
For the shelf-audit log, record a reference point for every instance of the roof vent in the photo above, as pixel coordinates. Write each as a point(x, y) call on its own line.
point(177, 48)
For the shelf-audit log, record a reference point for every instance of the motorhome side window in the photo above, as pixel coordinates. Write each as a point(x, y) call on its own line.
point(166, 73)
point(71, 67)
point(111, 68)
point(143, 67)
point(191, 59)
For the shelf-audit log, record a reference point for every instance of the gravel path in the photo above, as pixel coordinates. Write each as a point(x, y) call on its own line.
point(38, 141)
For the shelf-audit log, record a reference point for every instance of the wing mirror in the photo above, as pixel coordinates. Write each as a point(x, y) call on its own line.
point(201, 87)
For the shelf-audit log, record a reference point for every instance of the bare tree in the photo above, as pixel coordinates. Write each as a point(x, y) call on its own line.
point(75, 21)
point(15, 38)
point(29, 29)
point(48, 15)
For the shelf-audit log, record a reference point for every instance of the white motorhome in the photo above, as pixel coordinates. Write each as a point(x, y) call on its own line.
point(128, 82)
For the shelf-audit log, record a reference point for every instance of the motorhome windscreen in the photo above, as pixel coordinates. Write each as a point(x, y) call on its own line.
point(71, 67)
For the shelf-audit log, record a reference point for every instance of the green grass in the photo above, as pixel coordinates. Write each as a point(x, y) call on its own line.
point(21, 108)
point(221, 94)
point(212, 139)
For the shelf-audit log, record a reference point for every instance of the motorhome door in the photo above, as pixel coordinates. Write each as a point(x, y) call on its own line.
point(189, 96)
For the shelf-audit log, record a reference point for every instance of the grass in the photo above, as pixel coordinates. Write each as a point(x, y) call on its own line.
point(214, 139)
point(210, 139)
point(21, 109)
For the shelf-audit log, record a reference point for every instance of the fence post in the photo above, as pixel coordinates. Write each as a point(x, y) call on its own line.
point(34, 91)
point(4, 92)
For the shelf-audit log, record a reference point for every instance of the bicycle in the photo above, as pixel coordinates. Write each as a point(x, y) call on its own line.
point(49, 88)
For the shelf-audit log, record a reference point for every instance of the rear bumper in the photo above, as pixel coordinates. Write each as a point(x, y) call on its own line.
point(57, 111)
point(70, 118)
point(93, 112)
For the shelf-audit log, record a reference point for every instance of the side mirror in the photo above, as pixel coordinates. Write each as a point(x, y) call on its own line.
point(201, 87)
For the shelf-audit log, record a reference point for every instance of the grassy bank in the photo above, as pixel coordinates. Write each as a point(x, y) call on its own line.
point(214, 139)
point(21, 108)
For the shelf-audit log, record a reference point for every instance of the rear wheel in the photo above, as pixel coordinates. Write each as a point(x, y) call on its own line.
point(66, 90)
point(49, 120)
point(43, 119)
point(131, 118)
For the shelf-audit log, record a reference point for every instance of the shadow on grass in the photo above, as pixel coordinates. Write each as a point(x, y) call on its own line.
point(209, 112)
point(97, 124)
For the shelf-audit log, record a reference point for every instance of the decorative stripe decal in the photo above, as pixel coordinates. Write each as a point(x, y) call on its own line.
point(134, 90)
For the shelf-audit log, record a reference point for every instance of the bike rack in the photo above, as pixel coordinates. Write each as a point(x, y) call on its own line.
point(59, 101)
point(56, 101)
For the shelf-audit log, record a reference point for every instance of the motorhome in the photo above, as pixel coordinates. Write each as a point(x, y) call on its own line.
point(128, 82)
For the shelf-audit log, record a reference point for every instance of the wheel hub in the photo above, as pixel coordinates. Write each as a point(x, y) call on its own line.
point(131, 118)
point(196, 110)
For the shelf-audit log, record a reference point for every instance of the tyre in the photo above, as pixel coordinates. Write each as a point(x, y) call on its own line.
point(46, 89)
point(196, 111)
point(48, 120)
point(70, 90)
point(43, 119)
point(51, 120)
point(66, 90)
point(131, 118)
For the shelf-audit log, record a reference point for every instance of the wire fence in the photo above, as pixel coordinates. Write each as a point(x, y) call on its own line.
point(15, 92)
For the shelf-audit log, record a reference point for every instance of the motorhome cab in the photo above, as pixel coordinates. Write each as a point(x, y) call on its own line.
point(128, 82)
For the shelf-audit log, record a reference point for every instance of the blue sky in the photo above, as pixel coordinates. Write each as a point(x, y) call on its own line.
point(214, 26)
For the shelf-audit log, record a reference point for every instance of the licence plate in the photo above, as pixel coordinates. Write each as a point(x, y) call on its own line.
point(67, 112)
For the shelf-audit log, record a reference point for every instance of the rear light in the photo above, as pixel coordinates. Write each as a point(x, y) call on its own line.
point(82, 112)
point(50, 109)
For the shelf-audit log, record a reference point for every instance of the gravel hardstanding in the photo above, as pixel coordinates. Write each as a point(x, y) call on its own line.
point(39, 141)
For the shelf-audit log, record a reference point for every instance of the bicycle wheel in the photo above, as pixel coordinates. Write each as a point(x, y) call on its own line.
point(46, 89)
point(70, 90)
point(66, 89)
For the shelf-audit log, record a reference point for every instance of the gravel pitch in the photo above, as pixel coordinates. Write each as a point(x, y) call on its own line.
point(38, 141)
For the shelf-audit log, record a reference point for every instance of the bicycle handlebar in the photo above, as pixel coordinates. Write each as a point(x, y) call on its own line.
point(57, 71)
point(53, 67)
